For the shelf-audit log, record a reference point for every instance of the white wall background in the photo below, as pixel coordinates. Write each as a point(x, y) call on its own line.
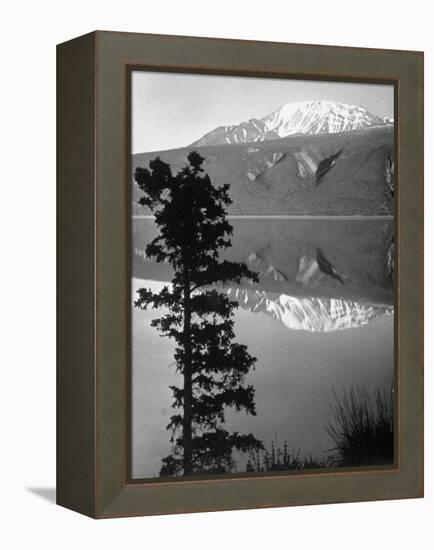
point(29, 32)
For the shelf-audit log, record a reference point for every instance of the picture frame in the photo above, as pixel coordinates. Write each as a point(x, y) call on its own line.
point(93, 175)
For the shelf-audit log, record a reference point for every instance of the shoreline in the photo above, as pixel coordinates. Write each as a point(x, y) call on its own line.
point(294, 217)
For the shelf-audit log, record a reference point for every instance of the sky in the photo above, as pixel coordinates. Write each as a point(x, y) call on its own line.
point(171, 110)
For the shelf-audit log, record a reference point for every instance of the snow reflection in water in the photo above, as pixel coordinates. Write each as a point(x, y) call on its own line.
point(317, 277)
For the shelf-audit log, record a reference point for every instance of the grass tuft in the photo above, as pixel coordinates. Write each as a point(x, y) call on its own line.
point(362, 429)
point(276, 458)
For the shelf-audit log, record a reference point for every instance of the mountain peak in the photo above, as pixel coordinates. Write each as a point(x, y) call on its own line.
point(306, 117)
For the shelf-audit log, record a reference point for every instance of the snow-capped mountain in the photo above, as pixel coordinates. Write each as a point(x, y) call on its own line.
point(310, 314)
point(307, 117)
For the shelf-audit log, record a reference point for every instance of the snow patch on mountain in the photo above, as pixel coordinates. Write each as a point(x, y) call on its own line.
point(315, 117)
point(307, 117)
point(257, 169)
point(306, 164)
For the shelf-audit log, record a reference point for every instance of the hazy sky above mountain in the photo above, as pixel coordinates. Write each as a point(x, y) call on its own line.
point(172, 110)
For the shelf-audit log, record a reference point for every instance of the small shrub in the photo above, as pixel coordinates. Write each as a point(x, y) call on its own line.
point(278, 458)
point(361, 432)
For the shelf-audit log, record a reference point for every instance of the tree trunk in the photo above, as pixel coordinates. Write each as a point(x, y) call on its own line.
point(188, 390)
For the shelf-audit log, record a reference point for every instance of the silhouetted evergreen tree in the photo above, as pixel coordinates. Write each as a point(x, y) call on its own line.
point(190, 214)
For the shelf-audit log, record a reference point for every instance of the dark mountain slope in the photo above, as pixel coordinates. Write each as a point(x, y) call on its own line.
point(329, 174)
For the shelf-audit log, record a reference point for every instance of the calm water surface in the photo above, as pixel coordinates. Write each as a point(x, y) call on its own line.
point(320, 318)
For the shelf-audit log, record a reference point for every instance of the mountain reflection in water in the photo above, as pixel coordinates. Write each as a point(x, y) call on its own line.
point(312, 314)
point(317, 278)
point(315, 275)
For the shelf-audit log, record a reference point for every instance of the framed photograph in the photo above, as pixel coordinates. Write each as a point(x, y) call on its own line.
point(240, 274)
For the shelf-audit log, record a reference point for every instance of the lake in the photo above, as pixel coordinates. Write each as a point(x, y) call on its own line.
point(321, 318)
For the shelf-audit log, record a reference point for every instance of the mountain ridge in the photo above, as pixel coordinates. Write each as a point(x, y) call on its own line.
point(305, 174)
point(306, 117)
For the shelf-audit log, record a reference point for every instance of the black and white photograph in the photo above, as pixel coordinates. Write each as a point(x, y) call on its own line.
point(262, 275)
